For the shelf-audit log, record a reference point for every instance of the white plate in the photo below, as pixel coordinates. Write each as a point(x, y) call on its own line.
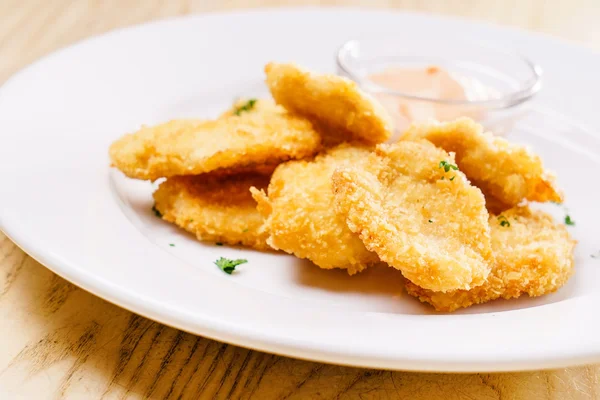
point(62, 204)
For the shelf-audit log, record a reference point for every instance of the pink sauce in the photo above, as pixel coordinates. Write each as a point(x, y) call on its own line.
point(431, 82)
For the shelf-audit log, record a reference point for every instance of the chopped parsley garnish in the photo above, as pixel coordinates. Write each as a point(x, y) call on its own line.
point(503, 221)
point(568, 220)
point(171, 244)
point(246, 107)
point(156, 212)
point(430, 221)
point(190, 220)
point(228, 266)
point(442, 178)
point(447, 166)
point(453, 178)
point(219, 244)
point(245, 230)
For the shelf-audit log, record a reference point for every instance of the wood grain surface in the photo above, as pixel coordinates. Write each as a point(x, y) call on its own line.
point(58, 341)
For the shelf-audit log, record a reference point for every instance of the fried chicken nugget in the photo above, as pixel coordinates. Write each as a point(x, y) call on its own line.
point(411, 206)
point(504, 171)
point(214, 208)
point(261, 134)
point(300, 217)
point(332, 102)
point(534, 256)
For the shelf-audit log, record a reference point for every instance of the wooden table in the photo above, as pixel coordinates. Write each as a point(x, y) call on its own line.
point(59, 341)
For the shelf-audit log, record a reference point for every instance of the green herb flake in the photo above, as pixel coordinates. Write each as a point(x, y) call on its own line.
point(219, 244)
point(246, 107)
point(447, 166)
point(190, 220)
point(569, 221)
point(430, 221)
point(171, 244)
point(442, 178)
point(245, 230)
point(453, 178)
point(227, 265)
point(503, 221)
point(156, 212)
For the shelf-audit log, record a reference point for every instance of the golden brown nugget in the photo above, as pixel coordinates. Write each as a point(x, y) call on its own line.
point(494, 206)
point(330, 101)
point(213, 208)
point(534, 256)
point(411, 206)
point(300, 217)
point(262, 134)
point(507, 172)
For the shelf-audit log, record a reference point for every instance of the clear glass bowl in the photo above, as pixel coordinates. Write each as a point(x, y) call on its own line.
point(498, 83)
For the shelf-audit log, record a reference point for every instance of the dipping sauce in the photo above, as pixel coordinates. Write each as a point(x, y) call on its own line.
point(432, 82)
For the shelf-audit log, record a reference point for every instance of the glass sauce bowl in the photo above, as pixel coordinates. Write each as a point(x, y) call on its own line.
point(497, 84)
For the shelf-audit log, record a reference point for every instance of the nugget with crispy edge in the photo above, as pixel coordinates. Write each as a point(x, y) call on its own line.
point(214, 208)
point(412, 206)
point(534, 256)
point(257, 135)
point(506, 172)
point(299, 214)
point(333, 102)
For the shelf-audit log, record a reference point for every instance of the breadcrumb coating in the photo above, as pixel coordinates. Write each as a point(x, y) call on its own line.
point(533, 254)
point(418, 214)
point(214, 208)
point(265, 134)
point(330, 101)
point(300, 217)
point(506, 172)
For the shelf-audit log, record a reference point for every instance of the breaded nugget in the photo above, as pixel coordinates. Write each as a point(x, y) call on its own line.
point(214, 208)
point(300, 217)
point(330, 101)
point(494, 206)
point(533, 255)
point(260, 135)
point(507, 172)
point(411, 206)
